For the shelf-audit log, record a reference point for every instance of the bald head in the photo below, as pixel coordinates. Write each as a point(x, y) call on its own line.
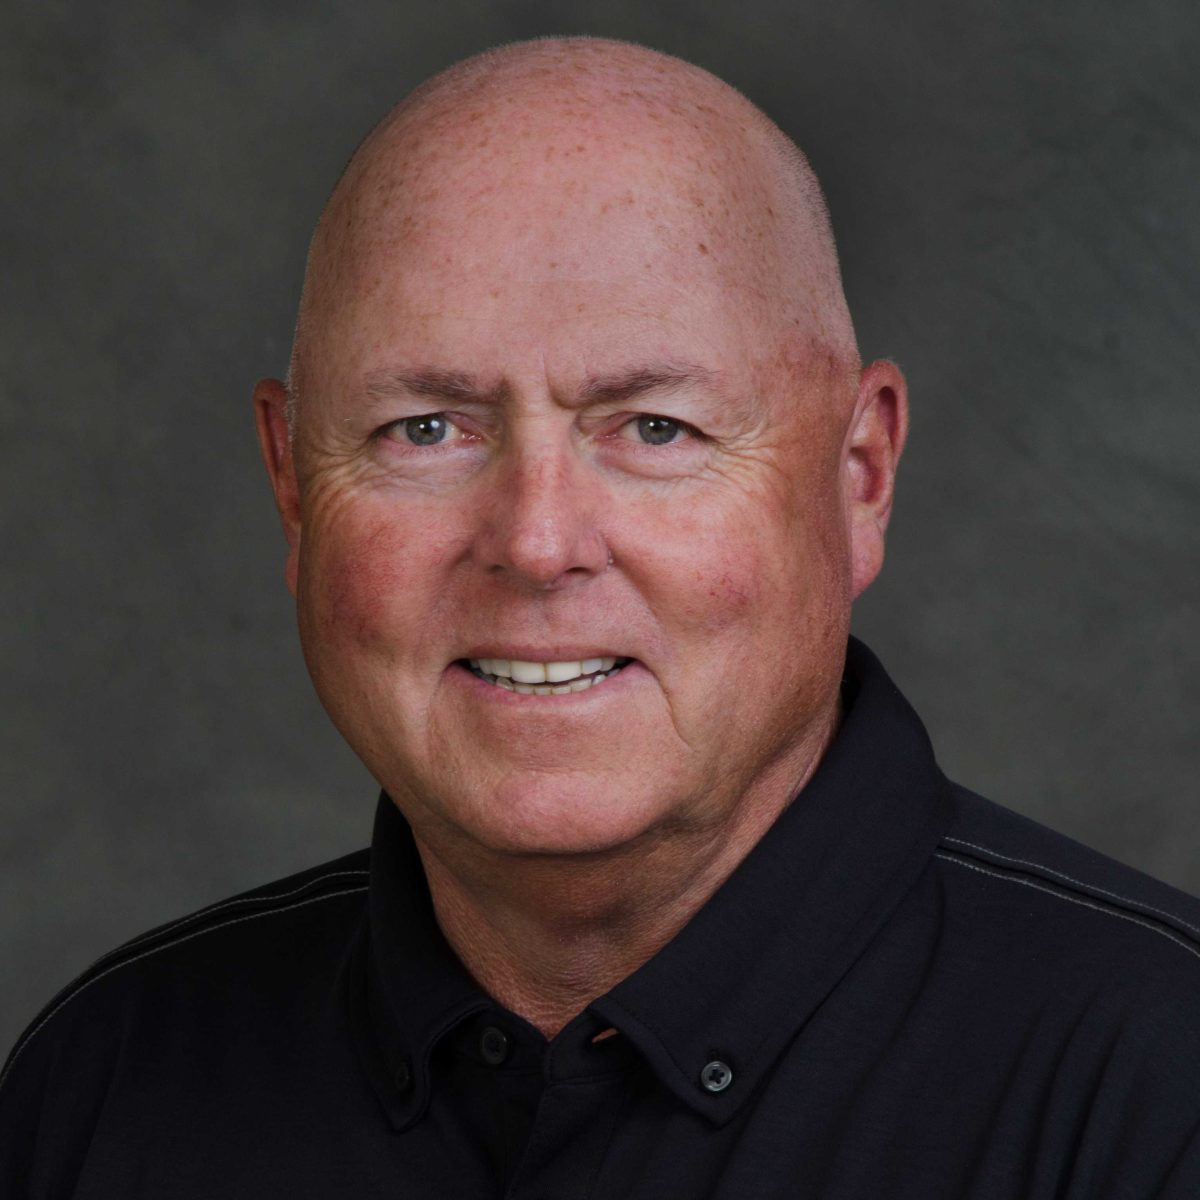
point(577, 381)
point(541, 147)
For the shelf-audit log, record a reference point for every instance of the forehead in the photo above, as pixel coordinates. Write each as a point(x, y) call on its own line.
point(626, 229)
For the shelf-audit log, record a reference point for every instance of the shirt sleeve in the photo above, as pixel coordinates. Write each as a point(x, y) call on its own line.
point(1141, 1136)
point(52, 1099)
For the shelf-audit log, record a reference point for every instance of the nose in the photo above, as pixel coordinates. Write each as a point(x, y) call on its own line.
point(541, 524)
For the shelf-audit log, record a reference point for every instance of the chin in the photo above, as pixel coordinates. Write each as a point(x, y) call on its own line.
point(541, 816)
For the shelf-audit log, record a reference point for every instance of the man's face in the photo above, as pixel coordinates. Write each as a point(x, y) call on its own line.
point(553, 431)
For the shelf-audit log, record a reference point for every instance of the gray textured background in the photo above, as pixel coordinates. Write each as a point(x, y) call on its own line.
point(1015, 190)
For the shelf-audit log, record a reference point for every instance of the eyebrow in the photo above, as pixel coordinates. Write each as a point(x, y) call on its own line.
point(666, 377)
point(451, 386)
point(433, 382)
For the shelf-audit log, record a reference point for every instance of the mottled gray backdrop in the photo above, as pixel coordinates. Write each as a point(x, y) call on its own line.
point(1015, 189)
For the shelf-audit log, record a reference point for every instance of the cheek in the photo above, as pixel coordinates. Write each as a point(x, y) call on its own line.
point(365, 572)
point(701, 574)
point(723, 584)
point(766, 560)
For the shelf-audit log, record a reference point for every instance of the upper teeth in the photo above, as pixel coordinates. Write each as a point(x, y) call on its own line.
point(520, 671)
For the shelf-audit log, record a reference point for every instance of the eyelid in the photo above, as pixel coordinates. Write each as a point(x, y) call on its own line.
point(628, 419)
point(463, 430)
point(451, 419)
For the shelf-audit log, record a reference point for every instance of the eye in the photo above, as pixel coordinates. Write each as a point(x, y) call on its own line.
point(426, 430)
point(653, 430)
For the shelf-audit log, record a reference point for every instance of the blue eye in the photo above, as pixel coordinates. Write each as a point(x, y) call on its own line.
point(426, 430)
point(658, 431)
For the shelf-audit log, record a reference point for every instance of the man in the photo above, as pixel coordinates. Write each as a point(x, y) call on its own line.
point(580, 473)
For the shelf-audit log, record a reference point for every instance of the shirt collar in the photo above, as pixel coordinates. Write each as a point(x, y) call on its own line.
point(409, 988)
point(739, 980)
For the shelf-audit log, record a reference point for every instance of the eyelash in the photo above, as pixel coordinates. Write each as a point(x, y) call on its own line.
point(690, 431)
point(399, 428)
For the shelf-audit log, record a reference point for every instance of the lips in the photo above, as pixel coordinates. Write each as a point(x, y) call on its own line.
point(546, 678)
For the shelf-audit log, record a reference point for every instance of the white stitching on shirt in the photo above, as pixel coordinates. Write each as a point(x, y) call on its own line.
point(1050, 891)
point(213, 908)
point(1024, 862)
point(155, 950)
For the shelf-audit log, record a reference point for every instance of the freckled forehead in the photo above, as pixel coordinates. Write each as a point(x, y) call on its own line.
point(517, 187)
point(560, 206)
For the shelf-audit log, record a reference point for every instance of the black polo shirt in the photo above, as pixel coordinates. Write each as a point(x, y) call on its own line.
point(904, 991)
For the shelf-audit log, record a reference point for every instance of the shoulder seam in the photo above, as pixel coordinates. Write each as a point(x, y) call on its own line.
point(219, 906)
point(1100, 906)
point(1087, 887)
point(87, 979)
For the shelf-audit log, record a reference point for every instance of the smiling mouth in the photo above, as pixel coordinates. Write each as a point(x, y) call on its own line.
point(544, 678)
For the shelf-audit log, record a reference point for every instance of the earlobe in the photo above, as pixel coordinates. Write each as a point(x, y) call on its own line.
point(874, 444)
point(274, 440)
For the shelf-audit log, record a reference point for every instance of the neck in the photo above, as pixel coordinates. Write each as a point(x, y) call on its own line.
point(545, 935)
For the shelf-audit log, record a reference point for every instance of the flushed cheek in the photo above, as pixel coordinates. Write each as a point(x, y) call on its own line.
point(745, 596)
point(720, 593)
point(369, 577)
point(720, 566)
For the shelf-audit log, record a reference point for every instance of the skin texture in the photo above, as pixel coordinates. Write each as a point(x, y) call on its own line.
point(543, 245)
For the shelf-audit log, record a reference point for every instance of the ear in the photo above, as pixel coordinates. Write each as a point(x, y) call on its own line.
point(874, 443)
point(274, 439)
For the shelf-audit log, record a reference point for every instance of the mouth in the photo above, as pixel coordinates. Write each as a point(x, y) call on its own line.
point(529, 678)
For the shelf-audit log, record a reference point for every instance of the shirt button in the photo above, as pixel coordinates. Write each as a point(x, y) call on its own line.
point(493, 1045)
point(716, 1076)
